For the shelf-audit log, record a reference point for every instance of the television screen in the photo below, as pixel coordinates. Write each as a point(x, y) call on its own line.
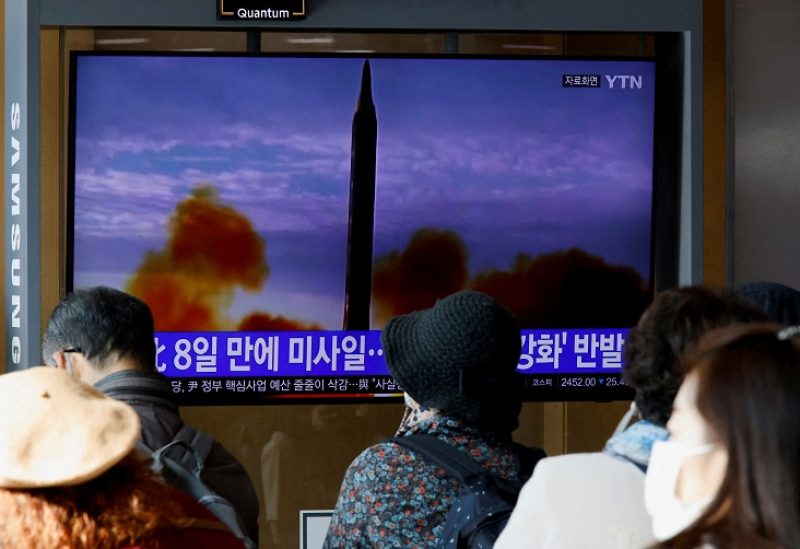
point(276, 211)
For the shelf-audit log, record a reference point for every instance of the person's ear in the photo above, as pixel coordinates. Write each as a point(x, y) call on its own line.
point(60, 359)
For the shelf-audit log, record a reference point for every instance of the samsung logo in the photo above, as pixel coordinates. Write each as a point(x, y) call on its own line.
point(15, 267)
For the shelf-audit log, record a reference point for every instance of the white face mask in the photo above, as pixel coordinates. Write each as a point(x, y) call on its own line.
point(670, 515)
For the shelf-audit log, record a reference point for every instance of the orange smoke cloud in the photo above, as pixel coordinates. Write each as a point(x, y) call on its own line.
point(433, 265)
point(212, 249)
point(265, 322)
point(176, 299)
point(569, 288)
point(214, 239)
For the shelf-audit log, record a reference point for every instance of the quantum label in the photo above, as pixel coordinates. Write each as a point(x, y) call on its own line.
point(261, 10)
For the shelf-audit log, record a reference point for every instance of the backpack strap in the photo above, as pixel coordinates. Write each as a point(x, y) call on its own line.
point(460, 465)
point(457, 464)
point(184, 474)
point(189, 460)
point(198, 442)
point(189, 448)
point(484, 502)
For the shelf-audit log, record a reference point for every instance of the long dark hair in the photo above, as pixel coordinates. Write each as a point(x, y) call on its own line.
point(749, 394)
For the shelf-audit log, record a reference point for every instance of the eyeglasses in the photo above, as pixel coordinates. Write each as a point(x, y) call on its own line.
point(66, 351)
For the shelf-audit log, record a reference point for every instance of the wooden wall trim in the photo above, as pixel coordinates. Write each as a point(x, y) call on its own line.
point(715, 108)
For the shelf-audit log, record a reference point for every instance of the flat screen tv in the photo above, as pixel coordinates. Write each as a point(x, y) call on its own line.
point(275, 211)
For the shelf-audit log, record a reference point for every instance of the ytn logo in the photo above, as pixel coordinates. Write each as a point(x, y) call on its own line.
point(624, 81)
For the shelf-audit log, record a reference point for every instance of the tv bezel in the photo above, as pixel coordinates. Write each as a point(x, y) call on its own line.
point(665, 203)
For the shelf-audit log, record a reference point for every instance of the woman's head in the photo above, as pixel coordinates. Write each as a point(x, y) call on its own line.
point(459, 357)
point(684, 473)
point(57, 431)
point(740, 402)
point(69, 473)
point(670, 326)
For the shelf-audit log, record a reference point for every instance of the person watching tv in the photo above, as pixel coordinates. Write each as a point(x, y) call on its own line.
point(780, 302)
point(457, 363)
point(597, 499)
point(105, 337)
point(728, 475)
point(70, 475)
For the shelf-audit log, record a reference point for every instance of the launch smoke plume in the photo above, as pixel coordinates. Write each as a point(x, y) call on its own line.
point(211, 251)
point(570, 288)
point(433, 265)
point(566, 288)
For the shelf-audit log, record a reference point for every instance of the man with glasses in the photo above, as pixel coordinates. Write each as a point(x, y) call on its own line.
point(104, 337)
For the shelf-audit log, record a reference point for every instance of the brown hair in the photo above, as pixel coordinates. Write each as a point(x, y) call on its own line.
point(126, 505)
point(749, 394)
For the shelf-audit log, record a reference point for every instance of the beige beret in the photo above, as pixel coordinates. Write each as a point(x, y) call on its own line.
point(56, 431)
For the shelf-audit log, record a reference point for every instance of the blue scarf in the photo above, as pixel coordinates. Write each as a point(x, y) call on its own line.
point(636, 442)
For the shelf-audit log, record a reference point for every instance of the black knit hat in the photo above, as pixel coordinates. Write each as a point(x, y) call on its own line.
point(460, 357)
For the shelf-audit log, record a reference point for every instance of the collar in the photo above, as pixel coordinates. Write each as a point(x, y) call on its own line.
point(431, 421)
point(137, 385)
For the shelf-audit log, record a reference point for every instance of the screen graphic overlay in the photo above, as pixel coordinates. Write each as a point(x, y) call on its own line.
point(220, 190)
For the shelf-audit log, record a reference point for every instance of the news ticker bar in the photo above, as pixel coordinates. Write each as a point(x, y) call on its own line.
point(235, 391)
point(344, 354)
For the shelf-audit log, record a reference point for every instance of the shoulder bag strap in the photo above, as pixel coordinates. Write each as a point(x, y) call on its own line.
point(454, 461)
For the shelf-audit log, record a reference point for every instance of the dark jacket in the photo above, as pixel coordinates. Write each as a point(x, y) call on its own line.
point(149, 394)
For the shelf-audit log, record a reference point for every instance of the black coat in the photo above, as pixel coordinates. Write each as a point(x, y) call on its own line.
point(149, 394)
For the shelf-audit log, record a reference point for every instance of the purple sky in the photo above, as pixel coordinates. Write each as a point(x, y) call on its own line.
point(496, 150)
